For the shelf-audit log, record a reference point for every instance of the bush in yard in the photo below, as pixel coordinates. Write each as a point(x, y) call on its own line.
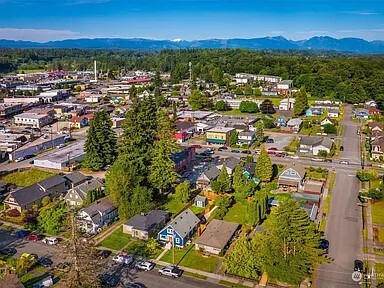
point(45, 201)
point(365, 175)
point(30, 219)
point(322, 153)
point(221, 106)
point(330, 129)
point(223, 203)
point(52, 219)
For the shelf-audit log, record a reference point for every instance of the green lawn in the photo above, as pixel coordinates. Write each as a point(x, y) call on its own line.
point(191, 258)
point(230, 284)
point(311, 131)
point(139, 247)
point(280, 197)
point(292, 147)
point(379, 267)
point(378, 212)
point(374, 183)
point(117, 240)
point(332, 181)
point(237, 213)
point(317, 173)
point(27, 177)
point(327, 204)
point(196, 210)
point(381, 234)
point(173, 205)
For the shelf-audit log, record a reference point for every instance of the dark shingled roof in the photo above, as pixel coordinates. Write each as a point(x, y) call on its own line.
point(212, 173)
point(76, 178)
point(217, 234)
point(146, 222)
point(51, 182)
point(28, 194)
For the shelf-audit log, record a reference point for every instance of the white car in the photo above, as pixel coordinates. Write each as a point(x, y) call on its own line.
point(380, 165)
point(317, 159)
point(171, 271)
point(344, 162)
point(60, 146)
point(295, 157)
point(123, 259)
point(19, 159)
point(50, 241)
point(145, 265)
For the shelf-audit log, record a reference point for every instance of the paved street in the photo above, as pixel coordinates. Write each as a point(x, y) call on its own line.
point(344, 226)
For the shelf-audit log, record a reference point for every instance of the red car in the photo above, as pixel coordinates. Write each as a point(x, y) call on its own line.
point(197, 146)
point(272, 148)
point(280, 155)
point(271, 151)
point(34, 237)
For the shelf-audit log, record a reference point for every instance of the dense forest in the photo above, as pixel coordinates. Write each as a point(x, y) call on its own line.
point(354, 78)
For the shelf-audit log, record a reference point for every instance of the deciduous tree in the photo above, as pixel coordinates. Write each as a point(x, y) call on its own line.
point(301, 102)
point(263, 169)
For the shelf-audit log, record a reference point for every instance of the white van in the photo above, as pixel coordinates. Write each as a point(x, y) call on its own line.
point(50, 240)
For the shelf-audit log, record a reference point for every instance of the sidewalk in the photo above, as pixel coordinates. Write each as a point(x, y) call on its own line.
point(371, 257)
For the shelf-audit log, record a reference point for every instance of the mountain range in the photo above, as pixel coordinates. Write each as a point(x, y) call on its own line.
point(351, 45)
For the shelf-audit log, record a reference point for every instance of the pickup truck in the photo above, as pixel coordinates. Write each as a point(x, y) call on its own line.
point(171, 271)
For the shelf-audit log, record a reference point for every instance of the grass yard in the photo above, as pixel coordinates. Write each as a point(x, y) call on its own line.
point(117, 240)
point(230, 284)
point(27, 177)
point(381, 234)
point(311, 131)
point(292, 147)
point(379, 267)
point(237, 213)
point(173, 205)
point(139, 247)
point(279, 197)
point(317, 173)
point(236, 112)
point(327, 204)
point(332, 181)
point(374, 183)
point(191, 258)
point(378, 212)
point(196, 210)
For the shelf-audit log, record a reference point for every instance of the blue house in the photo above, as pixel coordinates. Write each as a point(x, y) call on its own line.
point(200, 201)
point(281, 121)
point(362, 114)
point(179, 229)
point(314, 112)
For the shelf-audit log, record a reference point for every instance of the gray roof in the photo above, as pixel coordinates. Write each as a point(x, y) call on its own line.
point(28, 194)
point(185, 222)
point(200, 198)
point(247, 133)
point(76, 178)
point(294, 122)
point(217, 234)
point(307, 197)
point(327, 143)
point(100, 206)
point(297, 167)
point(315, 141)
point(313, 186)
point(230, 162)
point(146, 222)
point(51, 182)
point(212, 173)
point(250, 167)
point(85, 187)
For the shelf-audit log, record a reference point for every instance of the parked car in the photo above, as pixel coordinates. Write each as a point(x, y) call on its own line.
point(341, 148)
point(280, 154)
point(196, 146)
point(316, 159)
point(19, 159)
point(20, 233)
point(109, 280)
point(344, 162)
point(272, 149)
point(60, 146)
point(145, 265)
point(29, 156)
point(34, 237)
point(123, 259)
point(103, 254)
point(8, 251)
point(209, 151)
point(222, 148)
point(246, 152)
point(295, 157)
point(324, 245)
point(235, 151)
point(50, 240)
point(358, 266)
point(171, 271)
point(269, 140)
point(45, 262)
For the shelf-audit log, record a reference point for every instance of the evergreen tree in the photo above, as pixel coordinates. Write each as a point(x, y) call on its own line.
point(260, 134)
point(133, 93)
point(182, 192)
point(221, 106)
point(238, 178)
point(157, 82)
point(301, 102)
point(266, 107)
point(162, 173)
point(233, 138)
point(198, 100)
point(264, 166)
point(290, 245)
point(223, 183)
point(257, 208)
point(174, 112)
point(100, 146)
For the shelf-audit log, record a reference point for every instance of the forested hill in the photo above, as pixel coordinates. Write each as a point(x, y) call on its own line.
point(351, 77)
point(353, 45)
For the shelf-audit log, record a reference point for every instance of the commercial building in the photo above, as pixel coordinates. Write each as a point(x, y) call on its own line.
point(219, 135)
point(33, 120)
point(9, 110)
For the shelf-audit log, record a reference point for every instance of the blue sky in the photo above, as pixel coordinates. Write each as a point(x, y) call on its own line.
point(44, 20)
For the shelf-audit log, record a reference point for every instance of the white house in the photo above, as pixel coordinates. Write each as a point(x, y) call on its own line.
point(202, 128)
point(313, 145)
point(284, 104)
point(325, 122)
point(246, 137)
point(333, 113)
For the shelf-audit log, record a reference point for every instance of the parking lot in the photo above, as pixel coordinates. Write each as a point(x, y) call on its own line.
point(281, 140)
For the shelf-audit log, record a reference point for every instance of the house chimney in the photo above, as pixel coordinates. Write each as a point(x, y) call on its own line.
point(143, 213)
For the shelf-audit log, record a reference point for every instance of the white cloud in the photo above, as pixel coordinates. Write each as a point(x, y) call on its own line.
point(362, 13)
point(38, 35)
point(81, 2)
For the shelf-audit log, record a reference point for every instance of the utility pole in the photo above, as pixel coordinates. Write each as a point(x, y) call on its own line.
point(51, 138)
point(68, 160)
point(173, 247)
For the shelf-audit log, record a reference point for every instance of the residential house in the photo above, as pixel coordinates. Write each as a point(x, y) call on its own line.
point(200, 201)
point(361, 114)
point(216, 237)
point(292, 177)
point(294, 125)
point(184, 130)
point(230, 163)
point(77, 195)
point(309, 144)
point(287, 104)
point(310, 199)
point(333, 113)
point(183, 158)
point(100, 213)
point(246, 138)
point(374, 111)
point(78, 122)
point(326, 121)
point(25, 198)
point(284, 87)
point(376, 127)
point(219, 135)
point(281, 121)
point(313, 187)
point(180, 229)
point(311, 210)
point(145, 225)
point(314, 112)
point(75, 179)
point(207, 176)
point(249, 169)
point(377, 148)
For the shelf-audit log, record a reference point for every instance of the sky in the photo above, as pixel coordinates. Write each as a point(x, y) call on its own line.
point(46, 20)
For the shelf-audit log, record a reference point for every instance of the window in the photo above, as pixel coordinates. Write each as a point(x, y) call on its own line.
point(177, 240)
point(163, 237)
point(169, 231)
point(76, 197)
point(70, 195)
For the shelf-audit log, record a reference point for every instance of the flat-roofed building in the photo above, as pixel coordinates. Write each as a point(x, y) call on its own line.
point(9, 110)
point(219, 135)
point(34, 120)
